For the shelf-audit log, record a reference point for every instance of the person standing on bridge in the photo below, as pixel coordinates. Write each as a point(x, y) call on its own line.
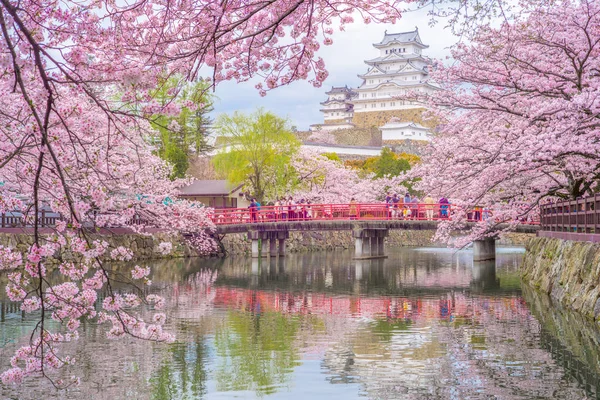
point(395, 206)
point(352, 209)
point(253, 210)
point(388, 206)
point(429, 205)
point(414, 207)
point(444, 205)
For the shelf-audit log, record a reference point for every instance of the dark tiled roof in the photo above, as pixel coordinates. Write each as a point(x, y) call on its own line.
point(339, 89)
point(209, 187)
point(402, 37)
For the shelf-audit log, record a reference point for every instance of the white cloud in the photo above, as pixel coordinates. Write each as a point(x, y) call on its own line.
point(344, 59)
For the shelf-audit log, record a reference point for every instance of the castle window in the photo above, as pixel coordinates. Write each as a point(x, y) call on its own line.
point(382, 105)
point(392, 104)
point(373, 105)
point(373, 94)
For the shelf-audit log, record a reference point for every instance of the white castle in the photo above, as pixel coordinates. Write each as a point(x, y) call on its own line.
point(399, 69)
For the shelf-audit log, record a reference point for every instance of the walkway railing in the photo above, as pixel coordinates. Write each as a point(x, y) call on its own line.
point(359, 212)
point(16, 219)
point(47, 219)
point(576, 216)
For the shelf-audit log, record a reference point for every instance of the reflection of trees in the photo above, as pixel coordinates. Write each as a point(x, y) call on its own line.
point(183, 375)
point(573, 341)
point(258, 351)
point(491, 351)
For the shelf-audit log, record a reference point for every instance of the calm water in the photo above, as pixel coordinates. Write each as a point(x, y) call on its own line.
point(422, 324)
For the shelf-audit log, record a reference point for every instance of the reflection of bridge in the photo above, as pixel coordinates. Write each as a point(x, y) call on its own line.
point(405, 273)
point(369, 223)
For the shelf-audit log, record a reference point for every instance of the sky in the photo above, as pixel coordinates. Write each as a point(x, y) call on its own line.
point(299, 101)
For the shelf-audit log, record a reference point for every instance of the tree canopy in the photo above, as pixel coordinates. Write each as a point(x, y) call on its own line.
point(258, 152)
point(185, 134)
point(520, 110)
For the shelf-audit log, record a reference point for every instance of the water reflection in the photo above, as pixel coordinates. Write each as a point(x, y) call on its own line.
point(422, 324)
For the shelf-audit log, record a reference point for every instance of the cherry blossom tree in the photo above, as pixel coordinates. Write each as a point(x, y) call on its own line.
point(520, 113)
point(322, 137)
point(77, 80)
point(323, 180)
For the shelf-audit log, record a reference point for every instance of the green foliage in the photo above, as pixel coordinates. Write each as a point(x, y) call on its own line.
point(386, 164)
point(261, 146)
point(176, 156)
point(184, 135)
point(332, 156)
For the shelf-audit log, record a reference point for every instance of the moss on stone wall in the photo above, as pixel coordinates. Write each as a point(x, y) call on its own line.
point(567, 271)
point(380, 118)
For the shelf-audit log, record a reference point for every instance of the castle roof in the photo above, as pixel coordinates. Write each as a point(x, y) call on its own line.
point(398, 71)
point(339, 89)
point(394, 57)
point(411, 37)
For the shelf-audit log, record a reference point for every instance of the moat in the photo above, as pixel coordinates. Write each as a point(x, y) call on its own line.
point(425, 323)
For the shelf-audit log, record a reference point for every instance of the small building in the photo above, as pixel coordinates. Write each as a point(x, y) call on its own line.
point(215, 193)
point(394, 132)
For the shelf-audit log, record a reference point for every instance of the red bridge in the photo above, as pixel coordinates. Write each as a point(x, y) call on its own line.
point(370, 224)
point(345, 212)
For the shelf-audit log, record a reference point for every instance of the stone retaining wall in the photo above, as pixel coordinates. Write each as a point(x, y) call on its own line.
point(567, 271)
point(238, 243)
point(143, 247)
point(379, 118)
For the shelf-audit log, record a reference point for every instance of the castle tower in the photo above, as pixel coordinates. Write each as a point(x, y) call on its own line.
point(338, 107)
point(399, 69)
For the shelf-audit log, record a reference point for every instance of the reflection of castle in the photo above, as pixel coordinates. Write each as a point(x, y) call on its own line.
point(399, 70)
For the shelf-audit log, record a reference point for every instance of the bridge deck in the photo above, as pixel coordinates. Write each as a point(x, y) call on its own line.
point(339, 225)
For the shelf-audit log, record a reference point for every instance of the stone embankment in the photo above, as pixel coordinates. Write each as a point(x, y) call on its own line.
point(143, 247)
point(146, 247)
point(568, 271)
point(238, 243)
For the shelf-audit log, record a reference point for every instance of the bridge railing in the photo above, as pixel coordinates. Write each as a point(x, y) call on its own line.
point(576, 216)
point(362, 212)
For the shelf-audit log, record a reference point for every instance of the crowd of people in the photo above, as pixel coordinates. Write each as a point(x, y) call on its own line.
point(283, 209)
point(396, 207)
point(407, 206)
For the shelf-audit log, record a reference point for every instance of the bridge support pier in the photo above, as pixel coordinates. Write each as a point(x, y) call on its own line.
point(268, 245)
point(484, 250)
point(255, 248)
point(369, 243)
point(264, 247)
point(282, 247)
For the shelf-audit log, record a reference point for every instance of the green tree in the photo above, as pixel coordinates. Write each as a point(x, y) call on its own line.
point(258, 151)
point(332, 156)
point(386, 164)
point(184, 135)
